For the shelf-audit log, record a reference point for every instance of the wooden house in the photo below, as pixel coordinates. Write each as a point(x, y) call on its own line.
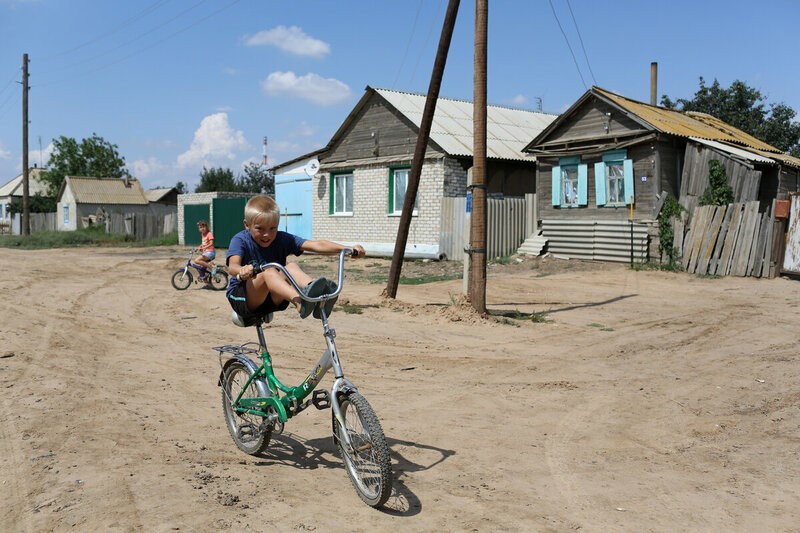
point(607, 164)
point(358, 193)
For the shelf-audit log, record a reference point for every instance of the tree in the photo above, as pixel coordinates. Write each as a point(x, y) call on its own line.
point(744, 108)
point(216, 179)
point(93, 157)
point(180, 187)
point(256, 179)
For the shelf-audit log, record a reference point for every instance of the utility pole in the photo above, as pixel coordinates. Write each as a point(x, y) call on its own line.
point(26, 207)
point(420, 148)
point(477, 249)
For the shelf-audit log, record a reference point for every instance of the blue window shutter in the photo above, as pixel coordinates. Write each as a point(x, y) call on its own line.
point(556, 186)
point(600, 183)
point(627, 175)
point(583, 184)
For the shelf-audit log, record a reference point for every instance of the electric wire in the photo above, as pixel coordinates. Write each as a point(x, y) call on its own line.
point(578, 31)
point(141, 50)
point(73, 66)
point(408, 44)
point(424, 44)
point(568, 45)
point(146, 11)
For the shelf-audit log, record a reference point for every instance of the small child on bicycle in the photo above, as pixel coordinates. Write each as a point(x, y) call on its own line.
point(261, 242)
point(207, 253)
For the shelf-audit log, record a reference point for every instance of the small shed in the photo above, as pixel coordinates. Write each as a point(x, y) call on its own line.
point(81, 198)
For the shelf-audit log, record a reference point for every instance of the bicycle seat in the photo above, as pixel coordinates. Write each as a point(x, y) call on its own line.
point(240, 321)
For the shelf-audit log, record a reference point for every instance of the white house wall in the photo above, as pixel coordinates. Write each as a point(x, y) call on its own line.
point(370, 224)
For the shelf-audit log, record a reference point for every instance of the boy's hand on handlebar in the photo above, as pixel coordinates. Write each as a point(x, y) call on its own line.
point(358, 252)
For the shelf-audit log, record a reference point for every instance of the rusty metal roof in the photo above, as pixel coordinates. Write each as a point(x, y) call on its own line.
point(508, 130)
point(88, 190)
point(686, 124)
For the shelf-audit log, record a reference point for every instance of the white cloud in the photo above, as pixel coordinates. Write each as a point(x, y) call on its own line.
point(4, 154)
point(519, 99)
point(147, 168)
point(293, 40)
point(304, 129)
point(311, 87)
point(215, 142)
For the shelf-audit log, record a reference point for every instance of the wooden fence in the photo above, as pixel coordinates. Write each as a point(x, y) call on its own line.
point(142, 226)
point(732, 239)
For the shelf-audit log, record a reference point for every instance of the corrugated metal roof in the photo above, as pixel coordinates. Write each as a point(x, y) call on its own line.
point(154, 195)
point(690, 124)
point(508, 130)
point(106, 190)
point(35, 185)
point(744, 154)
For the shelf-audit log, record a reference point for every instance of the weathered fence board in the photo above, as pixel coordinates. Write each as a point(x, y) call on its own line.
point(730, 240)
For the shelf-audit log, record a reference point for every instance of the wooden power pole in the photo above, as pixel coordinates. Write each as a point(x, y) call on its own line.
point(477, 249)
point(26, 206)
point(420, 148)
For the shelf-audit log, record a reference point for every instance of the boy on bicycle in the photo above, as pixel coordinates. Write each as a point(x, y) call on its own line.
point(207, 253)
point(260, 242)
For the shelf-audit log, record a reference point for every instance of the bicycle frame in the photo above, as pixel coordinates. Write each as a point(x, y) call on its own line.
point(292, 402)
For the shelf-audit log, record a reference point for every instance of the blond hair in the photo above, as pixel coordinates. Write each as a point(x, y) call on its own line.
point(261, 208)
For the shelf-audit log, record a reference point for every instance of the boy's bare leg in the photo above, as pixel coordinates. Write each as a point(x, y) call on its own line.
point(272, 283)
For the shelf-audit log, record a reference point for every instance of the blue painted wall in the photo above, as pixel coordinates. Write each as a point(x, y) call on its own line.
point(293, 194)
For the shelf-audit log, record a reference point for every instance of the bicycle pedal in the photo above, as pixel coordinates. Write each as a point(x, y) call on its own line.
point(321, 399)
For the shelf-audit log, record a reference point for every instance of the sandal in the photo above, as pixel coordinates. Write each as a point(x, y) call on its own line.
point(327, 305)
point(312, 290)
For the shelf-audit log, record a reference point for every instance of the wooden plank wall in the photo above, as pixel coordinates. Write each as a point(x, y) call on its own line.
point(730, 240)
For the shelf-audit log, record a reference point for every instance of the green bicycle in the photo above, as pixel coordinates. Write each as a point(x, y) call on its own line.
point(256, 404)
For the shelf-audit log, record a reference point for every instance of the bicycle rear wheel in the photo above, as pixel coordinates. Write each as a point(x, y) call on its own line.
point(248, 431)
point(219, 281)
point(367, 459)
point(182, 278)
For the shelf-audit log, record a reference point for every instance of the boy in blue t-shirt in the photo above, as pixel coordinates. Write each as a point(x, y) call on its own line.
point(261, 242)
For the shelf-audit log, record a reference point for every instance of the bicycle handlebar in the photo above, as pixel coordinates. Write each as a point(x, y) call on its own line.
point(263, 266)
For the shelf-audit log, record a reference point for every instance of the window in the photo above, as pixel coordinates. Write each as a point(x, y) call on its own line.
point(569, 182)
point(66, 215)
point(341, 201)
point(398, 184)
point(613, 179)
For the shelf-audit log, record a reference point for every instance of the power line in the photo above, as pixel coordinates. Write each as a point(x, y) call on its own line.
point(153, 45)
point(430, 31)
point(408, 43)
point(113, 29)
point(578, 31)
point(568, 45)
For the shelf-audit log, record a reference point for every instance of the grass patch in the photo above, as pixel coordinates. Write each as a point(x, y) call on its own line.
point(405, 280)
point(540, 318)
point(92, 236)
point(354, 309)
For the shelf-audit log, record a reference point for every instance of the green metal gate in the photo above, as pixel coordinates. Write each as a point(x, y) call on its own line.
point(192, 214)
point(228, 219)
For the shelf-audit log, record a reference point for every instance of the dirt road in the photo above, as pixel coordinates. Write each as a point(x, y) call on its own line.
point(638, 401)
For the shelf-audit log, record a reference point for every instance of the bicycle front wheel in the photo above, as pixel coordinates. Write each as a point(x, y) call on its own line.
point(219, 281)
point(182, 278)
point(248, 431)
point(367, 458)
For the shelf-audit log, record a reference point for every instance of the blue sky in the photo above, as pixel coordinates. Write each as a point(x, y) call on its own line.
point(182, 84)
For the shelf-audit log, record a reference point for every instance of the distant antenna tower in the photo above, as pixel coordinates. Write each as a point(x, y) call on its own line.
point(538, 103)
point(264, 160)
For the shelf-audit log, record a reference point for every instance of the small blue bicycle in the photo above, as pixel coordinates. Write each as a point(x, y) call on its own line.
point(217, 278)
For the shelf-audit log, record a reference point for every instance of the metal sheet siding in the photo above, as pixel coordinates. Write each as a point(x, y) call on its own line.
point(596, 240)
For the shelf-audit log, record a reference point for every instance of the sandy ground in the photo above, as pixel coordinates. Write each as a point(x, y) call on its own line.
point(637, 401)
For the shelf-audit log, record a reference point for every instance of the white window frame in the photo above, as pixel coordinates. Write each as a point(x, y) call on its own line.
point(395, 208)
point(342, 209)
